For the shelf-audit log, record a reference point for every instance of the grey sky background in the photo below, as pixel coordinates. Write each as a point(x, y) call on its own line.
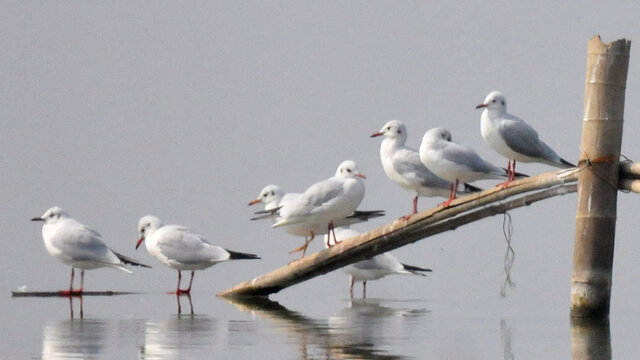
point(115, 110)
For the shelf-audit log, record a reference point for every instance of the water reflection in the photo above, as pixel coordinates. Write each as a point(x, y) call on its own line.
point(359, 331)
point(590, 339)
point(505, 331)
point(76, 339)
point(71, 299)
point(188, 296)
point(178, 337)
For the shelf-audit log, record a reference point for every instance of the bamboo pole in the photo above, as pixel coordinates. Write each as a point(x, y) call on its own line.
point(606, 76)
point(399, 233)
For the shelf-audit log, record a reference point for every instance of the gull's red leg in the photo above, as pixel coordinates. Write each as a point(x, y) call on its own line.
point(452, 194)
point(70, 291)
point(188, 290)
point(414, 209)
point(330, 231)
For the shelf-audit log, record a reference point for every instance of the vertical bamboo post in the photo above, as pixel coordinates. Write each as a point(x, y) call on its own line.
point(605, 83)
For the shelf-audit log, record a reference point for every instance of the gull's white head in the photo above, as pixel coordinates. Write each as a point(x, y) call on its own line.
point(268, 194)
point(146, 225)
point(437, 134)
point(495, 101)
point(52, 215)
point(349, 169)
point(393, 129)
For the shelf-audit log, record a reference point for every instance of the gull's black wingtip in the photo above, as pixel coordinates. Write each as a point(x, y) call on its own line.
point(415, 269)
point(566, 163)
point(470, 188)
point(234, 255)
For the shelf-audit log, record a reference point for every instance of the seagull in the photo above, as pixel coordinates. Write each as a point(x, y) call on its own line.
point(77, 245)
point(274, 198)
point(181, 249)
point(402, 165)
point(326, 202)
point(455, 162)
point(513, 138)
point(375, 268)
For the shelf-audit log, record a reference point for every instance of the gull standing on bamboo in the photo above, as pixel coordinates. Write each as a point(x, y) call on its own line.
point(274, 198)
point(375, 268)
point(77, 245)
point(327, 202)
point(181, 249)
point(513, 138)
point(455, 162)
point(402, 165)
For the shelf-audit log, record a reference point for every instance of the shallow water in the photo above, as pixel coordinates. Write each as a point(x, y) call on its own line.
point(148, 326)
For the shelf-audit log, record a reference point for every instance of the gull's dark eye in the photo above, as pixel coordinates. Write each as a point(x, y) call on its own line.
point(399, 131)
point(348, 170)
point(493, 101)
point(388, 127)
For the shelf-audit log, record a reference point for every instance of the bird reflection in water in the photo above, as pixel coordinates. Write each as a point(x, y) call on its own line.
point(186, 337)
point(78, 339)
point(188, 296)
point(357, 332)
point(71, 298)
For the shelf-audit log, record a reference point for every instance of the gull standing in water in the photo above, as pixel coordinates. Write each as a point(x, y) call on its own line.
point(326, 202)
point(513, 138)
point(77, 245)
point(375, 268)
point(181, 249)
point(274, 198)
point(455, 162)
point(402, 165)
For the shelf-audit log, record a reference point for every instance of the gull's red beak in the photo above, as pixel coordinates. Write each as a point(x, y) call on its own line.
point(361, 175)
point(481, 106)
point(139, 242)
point(376, 134)
point(253, 202)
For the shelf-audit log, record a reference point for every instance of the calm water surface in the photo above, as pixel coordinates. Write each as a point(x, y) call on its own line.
point(148, 326)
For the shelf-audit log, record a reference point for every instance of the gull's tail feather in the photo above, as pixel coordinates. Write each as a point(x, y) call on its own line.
point(129, 261)
point(234, 255)
point(282, 222)
point(121, 267)
point(416, 270)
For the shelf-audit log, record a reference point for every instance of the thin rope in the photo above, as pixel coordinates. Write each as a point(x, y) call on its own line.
point(510, 254)
point(590, 162)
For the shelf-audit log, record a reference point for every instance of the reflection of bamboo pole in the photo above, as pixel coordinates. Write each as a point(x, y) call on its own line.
point(590, 338)
point(399, 233)
point(606, 77)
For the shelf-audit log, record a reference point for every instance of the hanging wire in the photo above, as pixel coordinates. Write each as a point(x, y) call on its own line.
point(510, 254)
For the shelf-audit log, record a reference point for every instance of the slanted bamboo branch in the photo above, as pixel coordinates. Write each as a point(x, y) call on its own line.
point(399, 233)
